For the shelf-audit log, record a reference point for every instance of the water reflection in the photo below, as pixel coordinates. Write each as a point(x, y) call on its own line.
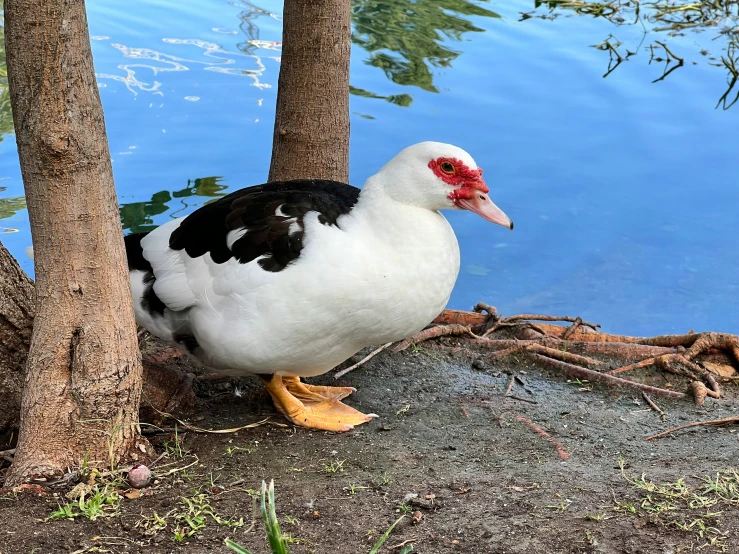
point(220, 61)
point(403, 100)
point(406, 38)
point(138, 217)
point(10, 206)
point(248, 25)
point(6, 117)
point(215, 57)
point(668, 17)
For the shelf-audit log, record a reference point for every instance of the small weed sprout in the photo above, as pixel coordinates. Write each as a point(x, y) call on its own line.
point(334, 467)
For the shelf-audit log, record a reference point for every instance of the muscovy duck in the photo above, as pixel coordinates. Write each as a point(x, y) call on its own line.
point(289, 279)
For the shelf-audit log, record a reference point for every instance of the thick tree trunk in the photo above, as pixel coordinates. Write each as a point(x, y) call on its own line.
point(83, 378)
point(311, 138)
point(164, 387)
point(16, 324)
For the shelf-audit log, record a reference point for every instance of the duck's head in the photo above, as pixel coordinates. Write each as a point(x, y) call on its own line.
point(438, 176)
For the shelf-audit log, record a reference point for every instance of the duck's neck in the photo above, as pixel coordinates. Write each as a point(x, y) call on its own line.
point(392, 218)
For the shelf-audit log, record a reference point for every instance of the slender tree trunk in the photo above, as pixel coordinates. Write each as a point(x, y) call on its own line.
point(16, 324)
point(83, 378)
point(311, 138)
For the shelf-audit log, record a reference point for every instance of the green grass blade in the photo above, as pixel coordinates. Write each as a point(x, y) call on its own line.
point(236, 547)
point(274, 533)
point(384, 537)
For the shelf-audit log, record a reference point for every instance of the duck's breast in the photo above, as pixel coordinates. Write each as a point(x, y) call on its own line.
point(352, 286)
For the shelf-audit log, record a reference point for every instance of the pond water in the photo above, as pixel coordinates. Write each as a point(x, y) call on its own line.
point(624, 188)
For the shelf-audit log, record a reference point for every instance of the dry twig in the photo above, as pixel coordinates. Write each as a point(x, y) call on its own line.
point(363, 361)
point(652, 404)
point(197, 429)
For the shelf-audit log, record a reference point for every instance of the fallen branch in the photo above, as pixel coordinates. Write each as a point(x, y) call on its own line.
point(362, 361)
point(539, 431)
point(717, 422)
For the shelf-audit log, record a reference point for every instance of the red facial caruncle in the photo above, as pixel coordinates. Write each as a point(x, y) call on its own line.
point(456, 173)
point(470, 192)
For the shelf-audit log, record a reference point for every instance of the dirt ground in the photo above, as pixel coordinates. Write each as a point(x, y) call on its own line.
point(448, 452)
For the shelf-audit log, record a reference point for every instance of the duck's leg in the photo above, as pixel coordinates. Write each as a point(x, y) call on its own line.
point(315, 392)
point(311, 409)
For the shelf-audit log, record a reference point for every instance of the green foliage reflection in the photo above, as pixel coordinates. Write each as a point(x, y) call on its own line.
point(407, 38)
point(10, 206)
point(138, 217)
point(670, 18)
point(6, 117)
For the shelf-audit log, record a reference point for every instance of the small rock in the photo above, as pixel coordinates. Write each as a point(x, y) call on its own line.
point(139, 476)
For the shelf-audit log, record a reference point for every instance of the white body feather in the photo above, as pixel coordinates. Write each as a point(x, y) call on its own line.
point(381, 275)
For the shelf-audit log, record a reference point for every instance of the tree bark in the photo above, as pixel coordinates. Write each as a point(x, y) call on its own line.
point(16, 324)
point(83, 375)
point(311, 137)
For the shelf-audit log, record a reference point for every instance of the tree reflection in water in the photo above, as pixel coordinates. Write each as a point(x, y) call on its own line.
point(668, 17)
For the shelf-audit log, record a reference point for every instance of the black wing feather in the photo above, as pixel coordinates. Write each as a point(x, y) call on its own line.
point(254, 209)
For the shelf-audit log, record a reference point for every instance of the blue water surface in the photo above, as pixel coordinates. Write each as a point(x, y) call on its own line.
point(624, 191)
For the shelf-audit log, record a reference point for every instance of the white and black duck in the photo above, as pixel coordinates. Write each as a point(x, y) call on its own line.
point(288, 279)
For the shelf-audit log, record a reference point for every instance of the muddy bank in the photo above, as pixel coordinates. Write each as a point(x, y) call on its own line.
point(449, 451)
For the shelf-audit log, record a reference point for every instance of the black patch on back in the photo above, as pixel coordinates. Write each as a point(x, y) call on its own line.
point(136, 261)
point(254, 210)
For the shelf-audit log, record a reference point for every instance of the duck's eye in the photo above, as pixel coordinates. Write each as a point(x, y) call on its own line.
point(447, 167)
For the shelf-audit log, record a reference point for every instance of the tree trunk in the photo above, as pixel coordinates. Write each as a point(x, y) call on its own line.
point(311, 138)
point(164, 387)
point(16, 324)
point(83, 375)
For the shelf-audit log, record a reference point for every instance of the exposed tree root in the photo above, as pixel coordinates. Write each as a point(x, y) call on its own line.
point(717, 422)
point(546, 351)
point(517, 319)
point(564, 456)
point(433, 332)
point(613, 349)
point(590, 375)
point(571, 348)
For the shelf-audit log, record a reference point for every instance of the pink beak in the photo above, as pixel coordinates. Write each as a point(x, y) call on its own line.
point(482, 205)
